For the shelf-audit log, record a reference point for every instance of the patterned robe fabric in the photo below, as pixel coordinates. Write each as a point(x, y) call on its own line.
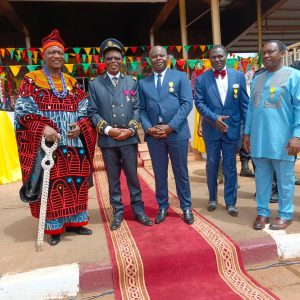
point(37, 107)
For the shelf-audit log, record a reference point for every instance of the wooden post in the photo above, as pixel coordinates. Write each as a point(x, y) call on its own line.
point(27, 42)
point(151, 37)
point(183, 31)
point(259, 30)
point(215, 19)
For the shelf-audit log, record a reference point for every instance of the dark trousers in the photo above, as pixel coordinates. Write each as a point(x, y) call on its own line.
point(115, 159)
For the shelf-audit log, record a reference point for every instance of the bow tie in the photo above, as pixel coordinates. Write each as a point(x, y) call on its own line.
point(222, 73)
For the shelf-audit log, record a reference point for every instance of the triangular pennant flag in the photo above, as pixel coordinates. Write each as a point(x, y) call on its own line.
point(15, 69)
point(96, 58)
point(98, 49)
point(166, 47)
point(236, 65)
point(178, 48)
point(195, 47)
point(200, 64)
point(133, 49)
point(186, 48)
point(83, 57)
point(101, 66)
point(31, 67)
point(138, 58)
point(66, 55)
point(41, 49)
point(174, 62)
point(143, 48)
point(2, 52)
point(35, 55)
point(24, 53)
point(171, 48)
point(85, 67)
point(11, 51)
point(29, 55)
point(208, 46)
point(87, 50)
point(126, 48)
point(230, 62)
point(206, 63)
point(78, 58)
point(130, 58)
point(90, 57)
point(244, 63)
point(192, 63)
point(18, 54)
point(69, 67)
point(76, 50)
point(169, 63)
point(180, 63)
point(148, 48)
point(134, 64)
point(148, 60)
point(202, 48)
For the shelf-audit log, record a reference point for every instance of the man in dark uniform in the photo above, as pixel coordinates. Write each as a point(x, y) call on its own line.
point(114, 110)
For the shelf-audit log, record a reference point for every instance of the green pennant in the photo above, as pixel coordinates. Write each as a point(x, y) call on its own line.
point(11, 53)
point(143, 48)
point(32, 67)
point(230, 62)
point(166, 47)
point(29, 54)
point(134, 64)
point(259, 60)
point(76, 50)
point(148, 61)
point(200, 64)
point(187, 48)
point(209, 46)
point(124, 60)
point(83, 57)
point(174, 61)
point(85, 66)
point(66, 55)
point(192, 63)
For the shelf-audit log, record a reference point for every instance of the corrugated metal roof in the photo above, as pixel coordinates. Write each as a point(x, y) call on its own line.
point(281, 22)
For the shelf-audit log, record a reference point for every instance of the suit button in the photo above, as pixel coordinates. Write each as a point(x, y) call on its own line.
point(123, 115)
point(123, 125)
point(122, 105)
point(114, 115)
point(113, 106)
point(115, 125)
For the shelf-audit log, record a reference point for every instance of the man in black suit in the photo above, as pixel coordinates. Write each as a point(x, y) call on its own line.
point(114, 110)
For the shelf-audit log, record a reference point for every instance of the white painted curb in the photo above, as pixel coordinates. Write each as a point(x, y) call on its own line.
point(41, 284)
point(288, 245)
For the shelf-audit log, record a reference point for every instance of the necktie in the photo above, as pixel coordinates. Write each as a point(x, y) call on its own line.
point(222, 73)
point(158, 84)
point(114, 81)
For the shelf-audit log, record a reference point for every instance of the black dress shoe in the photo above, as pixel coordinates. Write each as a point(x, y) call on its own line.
point(274, 197)
point(144, 220)
point(116, 222)
point(297, 181)
point(161, 216)
point(54, 239)
point(212, 205)
point(80, 230)
point(188, 217)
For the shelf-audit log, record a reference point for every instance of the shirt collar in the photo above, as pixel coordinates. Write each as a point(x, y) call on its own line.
point(220, 70)
point(162, 73)
point(111, 76)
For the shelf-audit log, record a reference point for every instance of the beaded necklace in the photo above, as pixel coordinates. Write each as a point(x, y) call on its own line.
point(58, 94)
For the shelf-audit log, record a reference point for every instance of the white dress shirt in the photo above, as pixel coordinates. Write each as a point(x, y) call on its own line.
point(222, 84)
point(161, 81)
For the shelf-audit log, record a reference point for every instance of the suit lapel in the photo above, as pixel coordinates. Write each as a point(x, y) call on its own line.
point(165, 84)
point(152, 86)
point(230, 83)
point(119, 87)
point(108, 84)
point(215, 87)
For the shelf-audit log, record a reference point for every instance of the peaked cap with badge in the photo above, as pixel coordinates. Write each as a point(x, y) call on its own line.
point(110, 44)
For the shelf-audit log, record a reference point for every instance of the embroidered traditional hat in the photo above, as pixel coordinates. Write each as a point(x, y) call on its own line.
point(53, 39)
point(111, 43)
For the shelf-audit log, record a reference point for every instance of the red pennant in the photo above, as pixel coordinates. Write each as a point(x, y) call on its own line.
point(138, 58)
point(96, 58)
point(133, 49)
point(171, 48)
point(180, 63)
point(78, 58)
point(244, 64)
point(101, 66)
point(144, 63)
point(195, 47)
point(148, 47)
point(1, 69)
point(24, 53)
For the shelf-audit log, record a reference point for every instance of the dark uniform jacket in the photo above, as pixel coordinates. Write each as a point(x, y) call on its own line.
point(117, 107)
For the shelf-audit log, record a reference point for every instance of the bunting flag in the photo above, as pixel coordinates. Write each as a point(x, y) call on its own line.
point(202, 48)
point(87, 50)
point(78, 58)
point(206, 63)
point(11, 52)
point(101, 66)
point(35, 56)
point(126, 48)
point(130, 58)
point(84, 57)
point(169, 63)
point(165, 47)
point(178, 48)
point(69, 67)
point(76, 50)
point(29, 55)
point(2, 52)
point(174, 60)
point(90, 57)
point(96, 58)
point(180, 64)
point(186, 48)
point(85, 67)
point(192, 63)
point(244, 63)
point(134, 65)
point(133, 49)
point(148, 60)
point(32, 67)
point(66, 55)
point(98, 49)
point(15, 69)
point(171, 48)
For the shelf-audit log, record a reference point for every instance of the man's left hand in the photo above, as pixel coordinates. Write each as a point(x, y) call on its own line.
point(293, 146)
point(74, 132)
point(124, 135)
point(166, 128)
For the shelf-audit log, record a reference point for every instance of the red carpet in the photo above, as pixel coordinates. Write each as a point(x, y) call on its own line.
point(172, 260)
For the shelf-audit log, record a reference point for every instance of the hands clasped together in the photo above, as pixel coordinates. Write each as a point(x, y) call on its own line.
point(159, 131)
point(120, 134)
point(51, 135)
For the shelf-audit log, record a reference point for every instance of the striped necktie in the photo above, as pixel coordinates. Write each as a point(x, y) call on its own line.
point(114, 81)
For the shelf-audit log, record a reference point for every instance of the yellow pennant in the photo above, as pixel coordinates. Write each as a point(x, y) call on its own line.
point(178, 48)
point(19, 53)
point(169, 63)
point(90, 58)
point(69, 67)
point(130, 58)
point(15, 69)
point(87, 50)
point(206, 63)
point(35, 55)
point(2, 52)
point(98, 49)
point(202, 47)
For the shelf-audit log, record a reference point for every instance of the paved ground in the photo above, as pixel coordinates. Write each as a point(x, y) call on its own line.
point(90, 255)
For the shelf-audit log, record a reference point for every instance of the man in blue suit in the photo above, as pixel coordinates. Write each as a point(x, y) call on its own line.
point(166, 100)
point(222, 100)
